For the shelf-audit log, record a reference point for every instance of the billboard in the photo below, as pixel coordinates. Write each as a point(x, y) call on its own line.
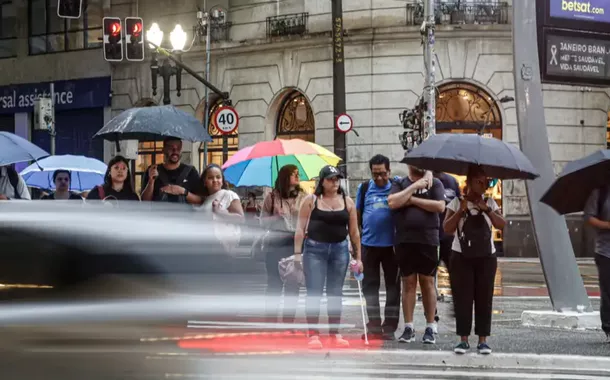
point(588, 11)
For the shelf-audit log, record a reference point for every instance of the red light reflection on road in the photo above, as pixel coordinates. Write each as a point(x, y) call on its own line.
point(265, 342)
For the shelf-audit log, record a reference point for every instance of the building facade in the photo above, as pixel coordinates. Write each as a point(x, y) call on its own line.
point(275, 60)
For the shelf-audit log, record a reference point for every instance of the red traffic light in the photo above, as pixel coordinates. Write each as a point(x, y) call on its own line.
point(115, 29)
point(136, 29)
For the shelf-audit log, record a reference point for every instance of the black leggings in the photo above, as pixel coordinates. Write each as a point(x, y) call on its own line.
point(472, 281)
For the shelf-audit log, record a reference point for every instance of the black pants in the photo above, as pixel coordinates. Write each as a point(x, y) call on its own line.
point(373, 258)
point(275, 286)
point(445, 251)
point(603, 270)
point(472, 281)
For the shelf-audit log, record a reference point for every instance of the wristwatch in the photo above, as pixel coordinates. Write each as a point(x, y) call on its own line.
point(186, 192)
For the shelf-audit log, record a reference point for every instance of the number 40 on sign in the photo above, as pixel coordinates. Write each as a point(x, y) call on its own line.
point(226, 120)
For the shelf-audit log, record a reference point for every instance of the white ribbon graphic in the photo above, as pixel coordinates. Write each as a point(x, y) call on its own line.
point(554, 53)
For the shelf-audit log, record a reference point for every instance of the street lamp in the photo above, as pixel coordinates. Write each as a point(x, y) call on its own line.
point(177, 39)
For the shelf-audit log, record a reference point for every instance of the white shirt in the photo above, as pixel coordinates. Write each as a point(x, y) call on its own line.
point(224, 198)
point(7, 189)
point(454, 206)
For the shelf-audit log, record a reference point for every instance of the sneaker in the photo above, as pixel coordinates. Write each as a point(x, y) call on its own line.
point(484, 349)
point(339, 342)
point(407, 336)
point(435, 329)
point(461, 348)
point(314, 343)
point(429, 336)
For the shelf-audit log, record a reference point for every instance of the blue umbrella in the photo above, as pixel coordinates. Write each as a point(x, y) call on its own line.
point(86, 173)
point(17, 149)
point(154, 124)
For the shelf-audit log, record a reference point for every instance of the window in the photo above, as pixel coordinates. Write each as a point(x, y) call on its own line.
point(215, 148)
point(48, 33)
point(296, 119)
point(149, 153)
point(8, 29)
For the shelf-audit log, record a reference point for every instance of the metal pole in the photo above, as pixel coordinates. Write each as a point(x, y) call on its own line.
point(338, 82)
point(206, 116)
point(52, 131)
point(565, 285)
point(427, 31)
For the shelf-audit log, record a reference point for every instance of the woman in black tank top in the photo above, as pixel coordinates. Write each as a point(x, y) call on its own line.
point(325, 221)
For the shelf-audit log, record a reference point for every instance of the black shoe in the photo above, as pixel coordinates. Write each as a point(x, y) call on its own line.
point(389, 333)
point(407, 336)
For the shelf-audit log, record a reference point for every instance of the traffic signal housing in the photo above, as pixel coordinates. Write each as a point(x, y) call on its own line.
point(113, 42)
point(134, 39)
point(69, 8)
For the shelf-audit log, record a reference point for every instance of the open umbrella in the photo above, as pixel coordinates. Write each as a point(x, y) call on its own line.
point(455, 153)
point(17, 149)
point(154, 124)
point(579, 178)
point(86, 173)
point(259, 164)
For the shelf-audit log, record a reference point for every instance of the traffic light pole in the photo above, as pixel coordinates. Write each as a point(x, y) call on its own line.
point(206, 115)
point(563, 280)
point(427, 31)
point(176, 60)
point(338, 82)
point(52, 132)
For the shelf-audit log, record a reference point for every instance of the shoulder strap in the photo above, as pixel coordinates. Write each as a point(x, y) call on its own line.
point(363, 189)
point(315, 204)
point(183, 174)
point(13, 178)
point(101, 192)
point(162, 175)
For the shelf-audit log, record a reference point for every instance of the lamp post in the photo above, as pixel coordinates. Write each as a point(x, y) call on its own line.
point(166, 70)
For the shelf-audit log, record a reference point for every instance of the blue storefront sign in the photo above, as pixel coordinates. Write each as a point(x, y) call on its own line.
point(589, 10)
point(68, 95)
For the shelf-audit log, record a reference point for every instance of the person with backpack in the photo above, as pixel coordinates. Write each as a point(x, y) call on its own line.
point(473, 261)
point(117, 183)
point(12, 186)
point(173, 181)
point(597, 215)
point(377, 232)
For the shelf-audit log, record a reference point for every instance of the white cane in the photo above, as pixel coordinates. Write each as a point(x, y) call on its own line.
point(366, 336)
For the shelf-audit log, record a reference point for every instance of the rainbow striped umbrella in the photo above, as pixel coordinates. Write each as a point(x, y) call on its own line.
point(259, 164)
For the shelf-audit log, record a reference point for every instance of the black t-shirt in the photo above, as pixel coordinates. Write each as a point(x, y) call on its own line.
point(109, 192)
point(414, 224)
point(452, 190)
point(192, 182)
point(52, 197)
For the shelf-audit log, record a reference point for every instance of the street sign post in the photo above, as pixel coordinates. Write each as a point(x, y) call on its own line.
point(226, 120)
point(344, 123)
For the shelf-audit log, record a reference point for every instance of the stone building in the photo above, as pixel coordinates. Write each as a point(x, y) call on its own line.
point(274, 57)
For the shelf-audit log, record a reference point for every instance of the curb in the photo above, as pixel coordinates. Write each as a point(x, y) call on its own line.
point(495, 361)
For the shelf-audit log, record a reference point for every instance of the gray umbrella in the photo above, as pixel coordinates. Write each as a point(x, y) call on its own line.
point(455, 153)
point(17, 149)
point(154, 124)
point(584, 175)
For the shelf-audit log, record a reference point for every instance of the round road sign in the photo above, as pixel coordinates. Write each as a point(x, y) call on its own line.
point(225, 119)
point(344, 123)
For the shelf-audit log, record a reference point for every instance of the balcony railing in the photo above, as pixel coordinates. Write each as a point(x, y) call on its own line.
point(287, 25)
point(221, 32)
point(462, 12)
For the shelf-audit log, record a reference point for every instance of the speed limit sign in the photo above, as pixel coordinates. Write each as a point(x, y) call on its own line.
point(226, 120)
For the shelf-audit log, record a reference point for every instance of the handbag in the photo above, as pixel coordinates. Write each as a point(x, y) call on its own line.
point(291, 273)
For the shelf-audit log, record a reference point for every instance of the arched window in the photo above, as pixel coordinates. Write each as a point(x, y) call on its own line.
point(465, 108)
point(296, 119)
point(222, 146)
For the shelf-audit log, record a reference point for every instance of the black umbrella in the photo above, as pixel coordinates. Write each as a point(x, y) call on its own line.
point(578, 179)
point(154, 124)
point(455, 153)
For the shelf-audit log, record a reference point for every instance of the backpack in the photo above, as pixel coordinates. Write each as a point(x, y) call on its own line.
point(364, 187)
point(475, 236)
point(165, 181)
point(13, 178)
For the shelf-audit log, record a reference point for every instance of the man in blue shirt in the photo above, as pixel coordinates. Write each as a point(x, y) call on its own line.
point(378, 249)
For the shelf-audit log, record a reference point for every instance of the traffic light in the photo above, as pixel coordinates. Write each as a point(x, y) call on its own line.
point(113, 43)
point(69, 8)
point(134, 39)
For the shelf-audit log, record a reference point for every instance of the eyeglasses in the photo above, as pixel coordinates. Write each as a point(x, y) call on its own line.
point(380, 174)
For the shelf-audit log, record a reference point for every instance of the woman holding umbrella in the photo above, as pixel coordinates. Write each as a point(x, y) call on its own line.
point(473, 261)
point(117, 183)
point(61, 179)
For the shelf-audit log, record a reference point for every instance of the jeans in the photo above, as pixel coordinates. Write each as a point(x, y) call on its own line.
point(324, 262)
point(275, 286)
